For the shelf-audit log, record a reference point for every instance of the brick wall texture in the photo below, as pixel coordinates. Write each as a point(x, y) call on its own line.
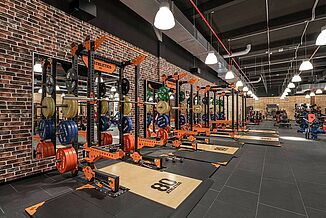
point(32, 26)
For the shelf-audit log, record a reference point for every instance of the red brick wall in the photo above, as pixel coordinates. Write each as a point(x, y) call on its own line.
point(32, 26)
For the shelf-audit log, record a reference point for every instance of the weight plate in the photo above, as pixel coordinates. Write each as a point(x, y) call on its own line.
point(125, 86)
point(163, 93)
point(71, 80)
point(127, 106)
point(69, 107)
point(183, 109)
point(49, 85)
point(182, 120)
point(149, 108)
point(162, 134)
point(48, 107)
point(46, 129)
point(197, 108)
point(162, 107)
point(65, 132)
point(66, 159)
point(205, 100)
point(182, 96)
point(128, 142)
point(102, 89)
point(104, 107)
point(126, 124)
point(162, 121)
point(104, 123)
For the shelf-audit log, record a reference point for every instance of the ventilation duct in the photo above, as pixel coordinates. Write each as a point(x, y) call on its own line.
point(239, 53)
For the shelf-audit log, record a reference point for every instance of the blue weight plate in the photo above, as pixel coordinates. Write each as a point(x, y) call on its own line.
point(74, 128)
point(126, 124)
point(71, 131)
point(182, 120)
point(65, 132)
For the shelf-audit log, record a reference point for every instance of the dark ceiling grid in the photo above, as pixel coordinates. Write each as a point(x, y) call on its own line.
point(243, 22)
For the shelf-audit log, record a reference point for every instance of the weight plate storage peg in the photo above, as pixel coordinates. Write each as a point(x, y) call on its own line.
point(46, 129)
point(48, 107)
point(66, 159)
point(125, 86)
point(71, 80)
point(69, 107)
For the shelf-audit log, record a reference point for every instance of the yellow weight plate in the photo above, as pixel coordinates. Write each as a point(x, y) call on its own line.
point(105, 107)
point(168, 108)
point(127, 106)
point(197, 108)
point(69, 107)
point(183, 109)
point(149, 108)
point(48, 107)
point(162, 107)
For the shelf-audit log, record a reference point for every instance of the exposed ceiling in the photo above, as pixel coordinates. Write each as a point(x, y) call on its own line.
point(274, 28)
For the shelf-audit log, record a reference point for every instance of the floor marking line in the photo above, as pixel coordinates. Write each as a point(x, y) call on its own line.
point(261, 181)
point(290, 211)
point(13, 188)
point(2, 210)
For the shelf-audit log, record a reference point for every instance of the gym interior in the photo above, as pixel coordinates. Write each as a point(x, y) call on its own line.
point(162, 108)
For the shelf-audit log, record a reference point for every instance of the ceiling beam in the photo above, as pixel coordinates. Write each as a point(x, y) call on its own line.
point(273, 23)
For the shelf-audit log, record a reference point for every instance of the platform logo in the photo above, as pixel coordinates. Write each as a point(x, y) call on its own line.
point(166, 185)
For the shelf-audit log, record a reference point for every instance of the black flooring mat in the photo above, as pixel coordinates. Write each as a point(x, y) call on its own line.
point(204, 156)
point(261, 142)
point(92, 203)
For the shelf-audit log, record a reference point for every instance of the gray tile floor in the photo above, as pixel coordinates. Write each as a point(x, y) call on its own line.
point(264, 181)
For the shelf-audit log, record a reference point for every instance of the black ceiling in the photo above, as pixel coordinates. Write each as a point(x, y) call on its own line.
point(242, 22)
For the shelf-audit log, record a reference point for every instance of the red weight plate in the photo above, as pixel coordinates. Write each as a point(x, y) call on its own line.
point(129, 142)
point(163, 134)
point(66, 159)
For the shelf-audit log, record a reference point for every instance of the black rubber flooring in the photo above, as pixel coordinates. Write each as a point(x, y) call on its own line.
point(264, 181)
point(269, 182)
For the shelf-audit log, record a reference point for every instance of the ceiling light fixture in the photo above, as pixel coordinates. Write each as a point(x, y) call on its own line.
point(249, 92)
point(312, 94)
point(245, 89)
point(306, 65)
point(291, 85)
point(37, 68)
point(321, 39)
point(164, 19)
point(211, 58)
point(287, 90)
point(229, 75)
point(296, 78)
point(307, 96)
point(319, 91)
point(113, 89)
point(239, 83)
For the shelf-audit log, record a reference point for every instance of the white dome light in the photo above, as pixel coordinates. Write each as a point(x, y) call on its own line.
point(319, 91)
point(57, 88)
point(306, 65)
point(239, 83)
point(282, 97)
point(249, 92)
point(287, 90)
point(164, 19)
point(229, 75)
point(325, 88)
point(40, 91)
point(113, 89)
point(245, 89)
point(321, 39)
point(285, 93)
point(296, 78)
point(211, 58)
point(291, 85)
point(312, 93)
point(37, 68)
point(307, 96)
